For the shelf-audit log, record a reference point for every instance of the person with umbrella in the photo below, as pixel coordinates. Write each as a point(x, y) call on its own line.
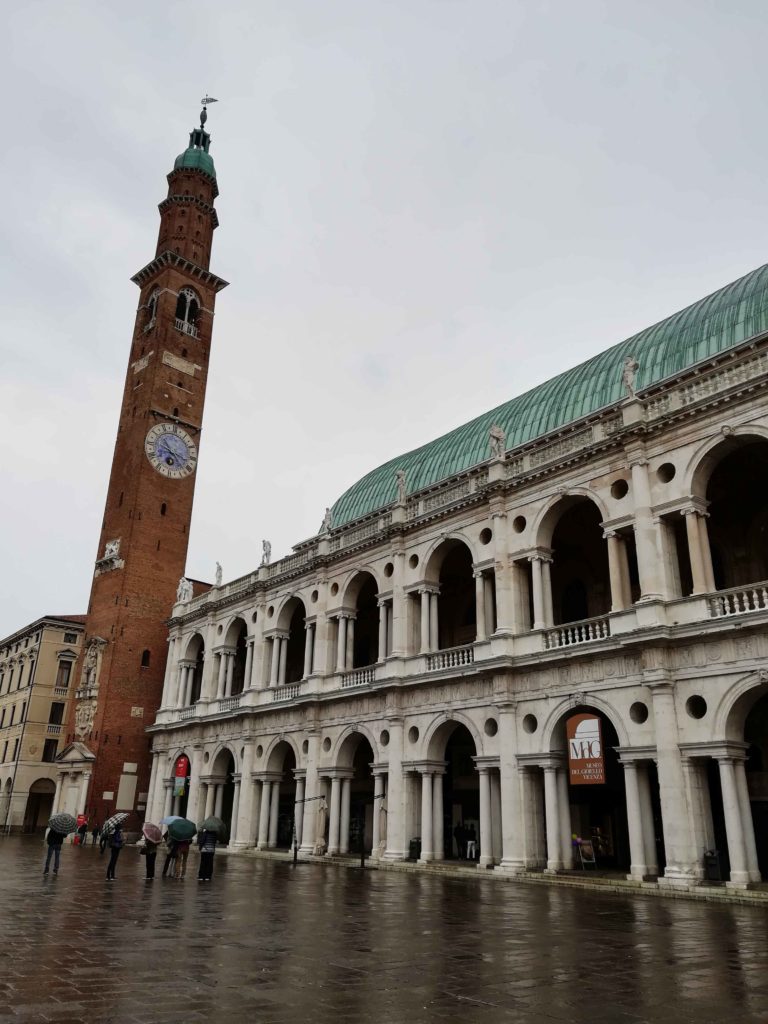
point(210, 831)
point(152, 838)
point(59, 827)
point(116, 843)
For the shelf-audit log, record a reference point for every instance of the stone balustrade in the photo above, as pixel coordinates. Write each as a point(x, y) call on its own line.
point(454, 657)
point(229, 703)
point(574, 633)
point(739, 600)
point(359, 677)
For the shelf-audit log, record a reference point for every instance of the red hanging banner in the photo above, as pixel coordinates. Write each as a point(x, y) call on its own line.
point(180, 775)
point(585, 750)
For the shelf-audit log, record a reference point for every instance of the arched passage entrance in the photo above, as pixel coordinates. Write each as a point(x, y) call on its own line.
point(221, 789)
point(580, 578)
point(178, 796)
point(585, 795)
point(39, 805)
point(756, 738)
point(352, 797)
point(278, 799)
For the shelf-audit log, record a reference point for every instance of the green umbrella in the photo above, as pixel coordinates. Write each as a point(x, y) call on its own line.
point(214, 824)
point(182, 829)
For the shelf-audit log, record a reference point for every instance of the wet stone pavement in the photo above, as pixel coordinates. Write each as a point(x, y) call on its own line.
point(266, 943)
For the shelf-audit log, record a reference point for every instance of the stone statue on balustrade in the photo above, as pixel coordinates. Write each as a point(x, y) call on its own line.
point(402, 486)
point(497, 439)
point(325, 526)
point(630, 368)
point(266, 552)
point(184, 590)
point(219, 574)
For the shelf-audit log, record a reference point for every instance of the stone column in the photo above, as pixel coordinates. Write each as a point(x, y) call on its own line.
point(283, 650)
point(179, 688)
point(341, 645)
point(57, 794)
point(344, 824)
point(616, 556)
point(378, 798)
point(390, 628)
point(427, 852)
point(83, 795)
point(747, 822)
point(274, 666)
point(489, 581)
point(683, 867)
point(248, 664)
point(496, 817)
point(333, 837)
point(552, 814)
point(263, 840)
point(168, 677)
point(706, 553)
point(396, 848)
point(235, 811)
point(734, 829)
point(298, 809)
point(646, 533)
point(219, 801)
point(242, 827)
point(425, 599)
point(434, 624)
point(538, 592)
point(512, 828)
point(438, 839)
point(486, 846)
point(311, 789)
point(694, 551)
point(565, 819)
point(168, 797)
point(230, 673)
point(482, 633)
point(382, 653)
point(274, 813)
point(400, 640)
point(222, 675)
point(309, 635)
point(649, 828)
point(193, 798)
point(546, 587)
point(638, 868)
point(350, 654)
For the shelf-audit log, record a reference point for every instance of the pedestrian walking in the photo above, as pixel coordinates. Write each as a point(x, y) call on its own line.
point(55, 840)
point(170, 854)
point(206, 840)
point(149, 851)
point(95, 833)
point(182, 852)
point(82, 832)
point(103, 841)
point(116, 842)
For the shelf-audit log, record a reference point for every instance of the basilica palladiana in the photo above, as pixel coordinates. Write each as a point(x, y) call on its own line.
point(595, 550)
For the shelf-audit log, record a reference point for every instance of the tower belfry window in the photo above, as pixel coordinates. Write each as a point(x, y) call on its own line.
point(187, 311)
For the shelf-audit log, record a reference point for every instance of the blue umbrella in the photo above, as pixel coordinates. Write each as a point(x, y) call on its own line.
point(170, 818)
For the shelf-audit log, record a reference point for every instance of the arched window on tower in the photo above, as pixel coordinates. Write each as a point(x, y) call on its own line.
point(187, 312)
point(145, 659)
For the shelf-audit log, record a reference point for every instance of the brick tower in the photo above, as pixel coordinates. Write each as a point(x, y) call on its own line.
point(142, 548)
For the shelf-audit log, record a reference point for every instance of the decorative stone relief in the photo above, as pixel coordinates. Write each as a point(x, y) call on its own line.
point(85, 712)
point(89, 678)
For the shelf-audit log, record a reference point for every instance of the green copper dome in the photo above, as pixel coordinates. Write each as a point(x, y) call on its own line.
point(710, 326)
point(196, 159)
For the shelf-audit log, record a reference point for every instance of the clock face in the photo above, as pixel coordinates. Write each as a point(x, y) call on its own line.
point(171, 451)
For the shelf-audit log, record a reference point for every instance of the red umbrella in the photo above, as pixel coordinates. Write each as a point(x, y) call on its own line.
point(151, 832)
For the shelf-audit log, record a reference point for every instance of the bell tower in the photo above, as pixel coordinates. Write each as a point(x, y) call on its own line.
point(142, 546)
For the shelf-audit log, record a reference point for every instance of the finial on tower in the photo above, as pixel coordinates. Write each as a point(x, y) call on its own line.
point(204, 112)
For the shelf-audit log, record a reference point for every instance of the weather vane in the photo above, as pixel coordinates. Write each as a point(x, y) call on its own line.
point(204, 112)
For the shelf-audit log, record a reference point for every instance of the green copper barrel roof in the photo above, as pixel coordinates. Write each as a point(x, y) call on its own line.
point(196, 159)
point(713, 324)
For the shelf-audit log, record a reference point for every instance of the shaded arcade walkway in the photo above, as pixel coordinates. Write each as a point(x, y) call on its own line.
point(272, 943)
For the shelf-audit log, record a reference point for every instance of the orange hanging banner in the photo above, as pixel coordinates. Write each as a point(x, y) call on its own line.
point(585, 750)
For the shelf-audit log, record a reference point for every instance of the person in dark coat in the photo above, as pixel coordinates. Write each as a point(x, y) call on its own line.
point(95, 833)
point(116, 843)
point(54, 840)
point(150, 856)
point(83, 833)
point(207, 842)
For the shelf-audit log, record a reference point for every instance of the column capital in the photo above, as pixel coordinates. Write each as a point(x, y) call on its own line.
point(429, 588)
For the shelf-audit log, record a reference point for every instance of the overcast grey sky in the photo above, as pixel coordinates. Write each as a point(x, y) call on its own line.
point(427, 206)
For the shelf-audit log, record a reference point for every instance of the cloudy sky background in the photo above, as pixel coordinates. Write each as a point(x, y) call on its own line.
point(427, 206)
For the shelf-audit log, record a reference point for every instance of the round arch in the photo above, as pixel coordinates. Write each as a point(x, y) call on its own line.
point(287, 610)
point(556, 717)
point(735, 705)
point(439, 733)
point(550, 514)
point(704, 460)
point(194, 645)
point(357, 580)
point(343, 751)
point(440, 549)
point(218, 762)
point(274, 757)
point(234, 630)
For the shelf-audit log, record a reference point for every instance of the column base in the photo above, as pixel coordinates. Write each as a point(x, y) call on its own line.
point(395, 855)
point(639, 873)
point(239, 845)
point(678, 880)
point(484, 863)
point(426, 859)
point(510, 867)
point(738, 880)
point(553, 870)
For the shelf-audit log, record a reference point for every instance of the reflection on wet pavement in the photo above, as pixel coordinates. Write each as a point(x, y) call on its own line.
point(267, 943)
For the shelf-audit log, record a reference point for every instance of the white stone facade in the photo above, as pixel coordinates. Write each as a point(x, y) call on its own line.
point(410, 675)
